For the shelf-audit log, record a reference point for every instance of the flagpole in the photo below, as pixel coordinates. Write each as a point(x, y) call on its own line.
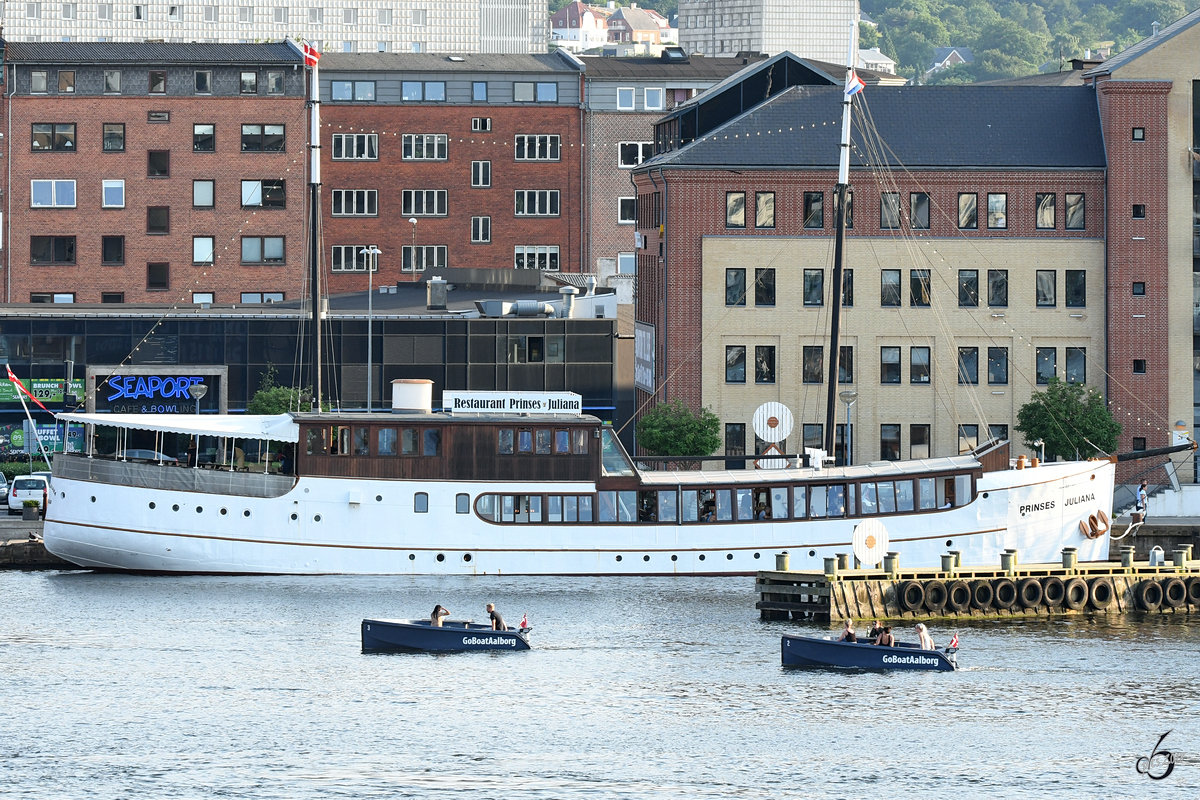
point(33, 429)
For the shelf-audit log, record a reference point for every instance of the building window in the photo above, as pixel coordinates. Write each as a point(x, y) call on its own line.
point(997, 211)
point(845, 364)
point(51, 250)
point(764, 364)
point(112, 81)
point(735, 287)
point(479, 91)
point(918, 219)
point(158, 277)
point(53, 136)
point(248, 83)
point(918, 288)
point(547, 92)
point(202, 81)
point(1139, 443)
point(812, 364)
point(158, 164)
point(998, 288)
point(1138, 289)
point(849, 221)
point(1076, 365)
point(1046, 286)
point(630, 154)
point(424, 147)
point(543, 257)
point(204, 138)
point(262, 138)
point(158, 82)
point(66, 81)
point(418, 91)
point(968, 288)
point(261, 297)
point(1076, 219)
point(203, 193)
point(1138, 135)
point(262, 250)
point(889, 288)
point(245, 14)
point(355, 146)
point(52, 194)
point(349, 258)
point(1139, 211)
point(537, 147)
point(997, 433)
point(202, 249)
point(481, 230)
point(998, 366)
point(112, 297)
point(346, 91)
point(626, 210)
point(1044, 214)
point(735, 444)
point(201, 298)
point(654, 99)
point(264, 194)
point(1045, 364)
point(112, 194)
point(52, 297)
point(735, 363)
point(889, 365)
point(889, 210)
point(889, 442)
point(112, 250)
point(114, 137)
point(158, 116)
point(481, 174)
point(625, 98)
point(627, 263)
point(356, 203)
point(847, 288)
point(814, 287)
point(968, 211)
point(814, 210)
point(764, 209)
point(481, 124)
point(918, 441)
point(918, 365)
point(69, 11)
point(735, 209)
point(423, 202)
point(968, 438)
point(1139, 366)
point(535, 203)
point(968, 366)
point(764, 287)
point(1075, 288)
point(158, 220)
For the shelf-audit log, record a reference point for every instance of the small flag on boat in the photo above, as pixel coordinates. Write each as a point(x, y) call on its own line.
point(854, 84)
point(954, 641)
point(16, 382)
point(311, 54)
point(524, 620)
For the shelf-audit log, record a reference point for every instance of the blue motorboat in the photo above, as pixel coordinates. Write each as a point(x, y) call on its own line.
point(808, 651)
point(454, 635)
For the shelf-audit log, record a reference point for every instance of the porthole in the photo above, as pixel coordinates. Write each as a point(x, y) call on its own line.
point(729, 556)
point(756, 555)
point(378, 498)
point(317, 518)
point(984, 495)
point(175, 507)
point(224, 512)
point(812, 553)
point(246, 513)
point(294, 517)
point(93, 498)
point(702, 556)
point(674, 558)
point(199, 509)
point(151, 505)
point(441, 557)
point(618, 558)
point(467, 557)
point(949, 543)
point(412, 556)
point(645, 558)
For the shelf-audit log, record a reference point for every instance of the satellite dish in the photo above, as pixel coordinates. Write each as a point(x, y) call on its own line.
point(870, 542)
point(773, 422)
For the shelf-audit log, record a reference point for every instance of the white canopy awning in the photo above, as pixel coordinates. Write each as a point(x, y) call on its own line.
point(277, 427)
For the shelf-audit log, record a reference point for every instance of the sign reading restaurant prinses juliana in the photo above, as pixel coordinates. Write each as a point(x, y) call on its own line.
point(513, 402)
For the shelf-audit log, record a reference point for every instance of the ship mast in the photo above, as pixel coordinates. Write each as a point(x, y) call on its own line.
point(314, 221)
point(840, 192)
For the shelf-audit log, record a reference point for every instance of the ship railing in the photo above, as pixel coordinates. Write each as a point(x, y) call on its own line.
point(152, 475)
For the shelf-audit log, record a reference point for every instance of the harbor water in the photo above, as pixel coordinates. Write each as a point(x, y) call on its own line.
point(119, 686)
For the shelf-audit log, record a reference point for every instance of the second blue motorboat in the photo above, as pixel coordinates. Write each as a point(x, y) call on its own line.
point(418, 635)
point(808, 651)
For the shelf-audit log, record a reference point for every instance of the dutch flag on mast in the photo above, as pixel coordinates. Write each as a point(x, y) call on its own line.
point(854, 84)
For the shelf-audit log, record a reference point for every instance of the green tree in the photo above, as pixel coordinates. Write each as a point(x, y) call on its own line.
point(1071, 419)
point(271, 398)
point(673, 429)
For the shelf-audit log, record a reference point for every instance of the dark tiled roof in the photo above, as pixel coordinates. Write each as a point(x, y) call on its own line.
point(920, 126)
point(442, 62)
point(149, 53)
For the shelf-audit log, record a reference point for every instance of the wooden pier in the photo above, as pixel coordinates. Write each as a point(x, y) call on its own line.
point(956, 592)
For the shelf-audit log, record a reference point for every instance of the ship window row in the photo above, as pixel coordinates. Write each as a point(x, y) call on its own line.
point(921, 211)
point(754, 503)
point(542, 441)
point(361, 440)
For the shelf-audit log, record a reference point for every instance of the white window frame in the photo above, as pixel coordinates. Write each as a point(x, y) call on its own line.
point(55, 186)
point(139, 13)
point(385, 17)
point(211, 13)
point(537, 147)
point(212, 192)
point(481, 124)
point(112, 184)
point(545, 202)
point(481, 230)
point(632, 95)
point(481, 174)
point(356, 147)
point(316, 16)
point(202, 297)
point(645, 150)
point(202, 245)
point(654, 105)
point(410, 143)
point(626, 263)
point(549, 253)
point(424, 202)
point(250, 184)
point(280, 15)
point(631, 220)
point(431, 255)
point(174, 13)
point(358, 262)
point(69, 11)
point(355, 202)
point(246, 15)
point(104, 11)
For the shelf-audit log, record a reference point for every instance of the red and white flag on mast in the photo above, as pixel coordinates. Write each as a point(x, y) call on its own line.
point(17, 382)
point(954, 641)
point(525, 620)
point(311, 54)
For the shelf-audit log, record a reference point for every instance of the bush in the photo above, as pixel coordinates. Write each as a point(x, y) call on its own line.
point(13, 467)
point(30, 504)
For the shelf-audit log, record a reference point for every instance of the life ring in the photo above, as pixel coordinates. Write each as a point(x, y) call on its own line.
point(958, 596)
point(1030, 593)
point(1174, 592)
point(910, 595)
point(982, 595)
point(1053, 591)
point(1101, 593)
point(1075, 594)
point(1006, 593)
point(935, 596)
point(1193, 591)
point(1149, 595)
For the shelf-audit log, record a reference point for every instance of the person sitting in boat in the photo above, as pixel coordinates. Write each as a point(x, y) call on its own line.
point(848, 634)
point(710, 511)
point(497, 620)
point(876, 629)
point(885, 637)
point(926, 642)
point(435, 619)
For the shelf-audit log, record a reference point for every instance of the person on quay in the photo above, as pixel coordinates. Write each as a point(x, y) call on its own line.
point(848, 634)
point(885, 638)
point(435, 619)
point(926, 642)
point(1143, 499)
point(497, 620)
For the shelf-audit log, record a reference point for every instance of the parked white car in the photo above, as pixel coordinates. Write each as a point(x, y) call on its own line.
point(27, 487)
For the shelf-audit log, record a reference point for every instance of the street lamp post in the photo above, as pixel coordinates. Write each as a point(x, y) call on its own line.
point(372, 256)
point(412, 261)
point(848, 397)
point(197, 391)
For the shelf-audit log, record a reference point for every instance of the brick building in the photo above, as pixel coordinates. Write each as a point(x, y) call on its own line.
point(484, 152)
point(151, 172)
